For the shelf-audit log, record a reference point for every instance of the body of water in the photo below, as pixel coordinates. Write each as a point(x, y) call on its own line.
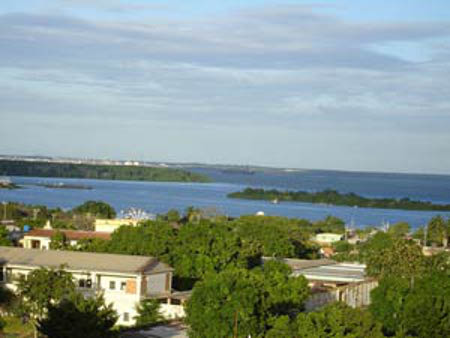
point(159, 197)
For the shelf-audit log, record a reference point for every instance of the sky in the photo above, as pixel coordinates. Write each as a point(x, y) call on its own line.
point(348, 85)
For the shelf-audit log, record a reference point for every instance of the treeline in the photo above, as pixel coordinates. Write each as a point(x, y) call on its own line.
point(81, 217)
point(106, 172)
point(335, 198)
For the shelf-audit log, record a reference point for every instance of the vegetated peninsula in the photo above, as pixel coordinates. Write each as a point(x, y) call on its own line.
point(107, 172)
point(335, 198)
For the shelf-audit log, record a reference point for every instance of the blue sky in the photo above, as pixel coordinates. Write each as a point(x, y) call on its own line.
point(353, 85)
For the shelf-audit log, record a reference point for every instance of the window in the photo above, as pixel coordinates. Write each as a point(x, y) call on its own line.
point(126, 316)
point(123, 285)
point(112, 285)
point(89, 283)
point(81, 283)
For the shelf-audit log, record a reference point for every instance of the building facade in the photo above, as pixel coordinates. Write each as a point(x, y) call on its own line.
point(110, 225)
point(41, 238)
point(124, 280)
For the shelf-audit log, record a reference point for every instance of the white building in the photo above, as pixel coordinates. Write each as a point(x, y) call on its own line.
point(328, 238)
point(41, 238)
point(124, 280)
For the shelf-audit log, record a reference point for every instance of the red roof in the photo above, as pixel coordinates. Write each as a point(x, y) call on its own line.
point(70, 234)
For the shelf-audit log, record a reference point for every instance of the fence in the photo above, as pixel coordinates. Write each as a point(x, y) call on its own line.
point(354, 295)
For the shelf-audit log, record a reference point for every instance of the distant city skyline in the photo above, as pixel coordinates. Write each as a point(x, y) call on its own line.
point(341, 85)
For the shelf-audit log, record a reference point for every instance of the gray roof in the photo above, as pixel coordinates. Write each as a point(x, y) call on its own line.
point(342, 272)
point(82, 261)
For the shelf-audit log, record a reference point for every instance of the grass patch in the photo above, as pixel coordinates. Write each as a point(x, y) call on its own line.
point(14, 328)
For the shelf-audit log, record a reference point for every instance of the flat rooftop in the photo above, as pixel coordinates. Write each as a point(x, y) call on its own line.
point(81, 261)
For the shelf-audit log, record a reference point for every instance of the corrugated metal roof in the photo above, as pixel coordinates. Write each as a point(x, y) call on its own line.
point(83, 261)
point(338, 273)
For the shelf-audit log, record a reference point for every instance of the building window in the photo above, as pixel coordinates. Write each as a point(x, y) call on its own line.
point(112, 285)
point(126, 316)
point(123, 285)
point(81, 283)
point(88, 283)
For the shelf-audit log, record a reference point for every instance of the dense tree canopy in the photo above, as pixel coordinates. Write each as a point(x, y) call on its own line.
point(211, 247)
point(400, 229)
point(337, 320)
point(4, 237)
point(79, 317)
point(420, 310)
point(151, 238)
point(148, 313)
point(402, 258)
point(98, 209)
point(244, 302)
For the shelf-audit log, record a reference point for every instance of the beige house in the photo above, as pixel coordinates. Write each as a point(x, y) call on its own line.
point(110, 225)
point(41, 238)
point(124, 280)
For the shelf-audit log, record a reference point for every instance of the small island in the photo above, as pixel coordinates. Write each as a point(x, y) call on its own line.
point(97, 171)
point(332, 197)
point(5, 183)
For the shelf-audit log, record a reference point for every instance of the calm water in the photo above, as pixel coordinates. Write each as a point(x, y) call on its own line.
point(156, 197)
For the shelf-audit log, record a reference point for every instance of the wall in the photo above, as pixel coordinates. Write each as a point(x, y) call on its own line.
point(156, 283)
point(354, 295)
point(170, 311)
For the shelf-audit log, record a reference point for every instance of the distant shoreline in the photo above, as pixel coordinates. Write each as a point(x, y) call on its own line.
point(104, 172)
point(332, 197)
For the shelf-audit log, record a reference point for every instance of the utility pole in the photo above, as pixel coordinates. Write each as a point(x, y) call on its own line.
point(425, 234)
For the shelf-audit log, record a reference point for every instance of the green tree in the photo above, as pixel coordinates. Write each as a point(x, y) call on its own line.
point(150, 238)
point(98, 209)
point(330, 224)
point(4, 237)
point(277, 236)
point(400, 229)
point(58, 241)
point(421, 310)
point(79, 317)
point(337, 320)
point(400, 257)
point(42, 288)
point(387, 302)
point(210, 247)
point(374, 245)
point(148, 313)
point(173, 215)
point(244, 302)
point(438, 231)
point(426, 310)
